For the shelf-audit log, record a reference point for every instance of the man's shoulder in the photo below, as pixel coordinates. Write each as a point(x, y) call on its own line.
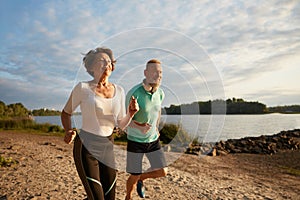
point(134, 89)
point(161, 93)
point(160, 90)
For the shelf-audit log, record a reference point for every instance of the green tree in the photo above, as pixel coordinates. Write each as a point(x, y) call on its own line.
point(17, 110)
point(2, 108)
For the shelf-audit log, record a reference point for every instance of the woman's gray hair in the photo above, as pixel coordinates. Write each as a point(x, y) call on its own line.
point(90, 56)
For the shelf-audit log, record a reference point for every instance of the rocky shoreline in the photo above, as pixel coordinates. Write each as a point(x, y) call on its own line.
point(271, 144)
point(45, 169)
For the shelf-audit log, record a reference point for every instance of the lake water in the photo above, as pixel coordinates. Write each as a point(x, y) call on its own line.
point(212, 128)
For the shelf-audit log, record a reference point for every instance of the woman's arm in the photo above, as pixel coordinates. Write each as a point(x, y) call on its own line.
point(132, 109)
point(124, 122)
point(71, 105)
point(127, 120)
point(69, 132)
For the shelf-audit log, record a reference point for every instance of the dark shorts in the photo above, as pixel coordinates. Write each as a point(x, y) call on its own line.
point(136, 152)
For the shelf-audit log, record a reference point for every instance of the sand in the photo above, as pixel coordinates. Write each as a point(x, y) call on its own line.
point(46, 170)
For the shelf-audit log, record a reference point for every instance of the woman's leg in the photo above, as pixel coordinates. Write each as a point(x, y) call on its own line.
point(108, 177)
point(92, 171)
point(77, 154)
point(99, 167)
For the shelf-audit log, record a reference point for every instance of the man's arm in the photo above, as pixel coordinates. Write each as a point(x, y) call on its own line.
point(144, 128)
point(158, 121)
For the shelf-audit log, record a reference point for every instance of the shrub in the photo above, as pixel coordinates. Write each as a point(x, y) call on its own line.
point(16, 123)
point(175, 133)
point(119, 135)
point(169, 132)
point(25, 123)
point(7, 162)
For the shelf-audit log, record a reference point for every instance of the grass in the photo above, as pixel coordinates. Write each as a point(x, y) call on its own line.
point(169, 132)
point(28, 124)
point(7, 162)
point(290, 170)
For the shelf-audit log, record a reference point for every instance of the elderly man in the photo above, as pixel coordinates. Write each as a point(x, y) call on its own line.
point(142, 134)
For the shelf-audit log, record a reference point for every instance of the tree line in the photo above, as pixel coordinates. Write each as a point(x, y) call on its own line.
point(230, 106)
point(45, 112)
point(18, 110)
point(285, 109)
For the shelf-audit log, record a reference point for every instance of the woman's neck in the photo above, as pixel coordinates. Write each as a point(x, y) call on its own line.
point(103, 81)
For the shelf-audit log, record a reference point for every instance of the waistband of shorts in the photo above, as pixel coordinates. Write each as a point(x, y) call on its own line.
point(148, 143)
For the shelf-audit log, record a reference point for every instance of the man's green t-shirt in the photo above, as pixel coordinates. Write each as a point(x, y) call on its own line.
point(150, 107)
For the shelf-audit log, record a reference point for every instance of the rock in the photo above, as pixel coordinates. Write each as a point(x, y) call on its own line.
point(221, 153)
point(49, 143)
point(285, 140)
point(272, 146)
point(213, 152)
point(167, 148)
point(3, 197)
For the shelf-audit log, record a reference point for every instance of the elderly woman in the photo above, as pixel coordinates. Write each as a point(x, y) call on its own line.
point(102, 105)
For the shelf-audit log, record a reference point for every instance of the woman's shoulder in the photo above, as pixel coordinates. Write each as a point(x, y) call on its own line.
point(118, 87)
point(81, 86)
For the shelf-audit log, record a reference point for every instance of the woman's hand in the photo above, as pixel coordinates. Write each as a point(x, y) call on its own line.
point(133, 106)
point(69, 136)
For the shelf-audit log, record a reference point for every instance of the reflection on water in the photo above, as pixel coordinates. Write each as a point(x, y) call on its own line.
point(217, 127)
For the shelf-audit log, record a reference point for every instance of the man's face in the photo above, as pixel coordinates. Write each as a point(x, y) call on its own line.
point(153, 74)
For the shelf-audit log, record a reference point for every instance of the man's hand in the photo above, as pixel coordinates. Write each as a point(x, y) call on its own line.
point(143, 127)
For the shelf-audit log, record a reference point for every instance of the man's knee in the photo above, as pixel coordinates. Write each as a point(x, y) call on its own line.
point(164, 171)
point(134, 177)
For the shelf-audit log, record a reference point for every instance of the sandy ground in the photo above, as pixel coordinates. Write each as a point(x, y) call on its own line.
point(46, 170)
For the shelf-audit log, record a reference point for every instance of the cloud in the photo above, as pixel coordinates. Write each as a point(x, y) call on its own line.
point(31, 95)
point(270, 97)
point(198, 42)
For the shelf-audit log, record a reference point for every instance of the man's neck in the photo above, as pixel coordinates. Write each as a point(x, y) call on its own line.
point(148, 87)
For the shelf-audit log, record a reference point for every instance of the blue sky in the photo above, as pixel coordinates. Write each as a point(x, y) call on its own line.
point(209, 49)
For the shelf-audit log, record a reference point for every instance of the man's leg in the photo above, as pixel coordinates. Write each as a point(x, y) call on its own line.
point(154, 174)
point(157, 161)
point(130, 185)
point(133, 166)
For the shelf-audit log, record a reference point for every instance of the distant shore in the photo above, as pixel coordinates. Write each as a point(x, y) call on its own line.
point(266, 113)
point(45, 170)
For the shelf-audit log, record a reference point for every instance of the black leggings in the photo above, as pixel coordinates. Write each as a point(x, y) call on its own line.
point(99, 180)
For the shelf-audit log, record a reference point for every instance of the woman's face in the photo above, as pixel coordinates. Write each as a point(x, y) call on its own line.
point(102, 65)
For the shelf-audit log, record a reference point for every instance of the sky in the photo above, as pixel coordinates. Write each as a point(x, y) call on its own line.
point(209, 49)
